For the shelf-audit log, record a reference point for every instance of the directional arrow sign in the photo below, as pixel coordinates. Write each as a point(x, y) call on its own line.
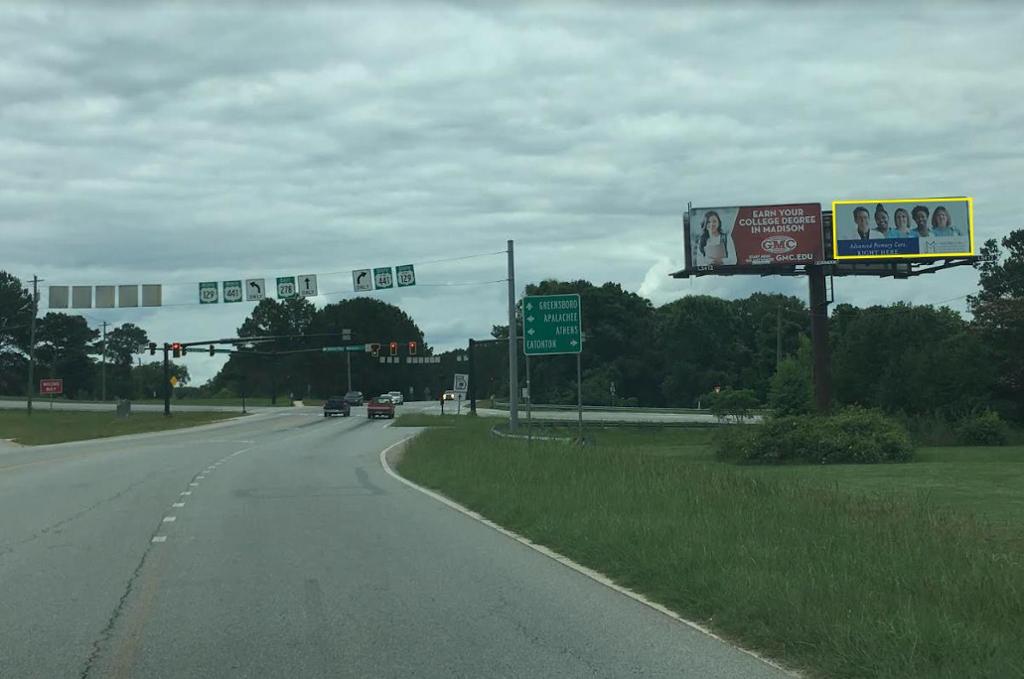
point(307, 285)
point(254, 288)
point(362, 280)
point(552, 325)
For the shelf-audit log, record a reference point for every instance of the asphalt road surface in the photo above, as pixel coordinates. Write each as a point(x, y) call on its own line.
point(277, 546)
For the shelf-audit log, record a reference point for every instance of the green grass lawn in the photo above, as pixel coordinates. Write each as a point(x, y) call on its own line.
point(58, 426)
point(889, 571)
point(261, 401)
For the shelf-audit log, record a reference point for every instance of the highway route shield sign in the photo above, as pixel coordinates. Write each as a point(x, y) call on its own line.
point(255, 289)
point(307, 285)
point(461, 383)
point(208, 293)
point(552, 324)
point(406, 275)
point(232, 291)
point(383, 278)
point(362, 280)
point(286, 287)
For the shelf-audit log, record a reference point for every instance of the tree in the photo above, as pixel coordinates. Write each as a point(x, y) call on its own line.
point(148, 378)
point(124, 342)
point(63, 346)
point(792, 390)
point(15, 317)
point(998, 311)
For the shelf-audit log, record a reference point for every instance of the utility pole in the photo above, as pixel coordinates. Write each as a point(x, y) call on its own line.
point(513, 359)
point(472, 376)
point(167, 381)
point(348, 368)
point(103, 366)
point(778, 337)
point(32, 342)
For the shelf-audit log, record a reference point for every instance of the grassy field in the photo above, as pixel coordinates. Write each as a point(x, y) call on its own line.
point(58, 426)
point(889, 571)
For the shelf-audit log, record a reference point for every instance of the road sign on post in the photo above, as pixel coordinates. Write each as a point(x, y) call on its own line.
point(286, 287)
point(208, 293)
point(461, 383)
point(406, 275)
point(307, 285)
point(51, 386)
point(255, 289)
point(552, 325)
point(232, 291)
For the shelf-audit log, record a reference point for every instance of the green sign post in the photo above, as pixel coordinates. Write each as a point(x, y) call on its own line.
point(552, 325)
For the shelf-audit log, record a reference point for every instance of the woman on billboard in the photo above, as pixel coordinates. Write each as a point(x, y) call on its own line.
point(942, 225)
point(715, 244)
point(920, 215)
point(902, 220)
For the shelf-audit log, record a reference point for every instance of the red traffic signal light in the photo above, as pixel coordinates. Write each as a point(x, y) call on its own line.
point(176, 349)
point(394, 348)
point(412, 348)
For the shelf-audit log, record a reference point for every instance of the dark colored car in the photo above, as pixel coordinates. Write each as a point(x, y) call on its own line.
point(354, 398)
point(382, 406)
point(336, 405)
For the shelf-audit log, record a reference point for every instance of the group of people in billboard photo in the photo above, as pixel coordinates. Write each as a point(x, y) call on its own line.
point(917, 223)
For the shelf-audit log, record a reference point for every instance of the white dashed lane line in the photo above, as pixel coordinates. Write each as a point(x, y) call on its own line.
point(170, 519)
point(178, 504)
point(159, 538)
point(185, 492)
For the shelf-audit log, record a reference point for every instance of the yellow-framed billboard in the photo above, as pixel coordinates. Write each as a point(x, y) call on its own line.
point(903, 228)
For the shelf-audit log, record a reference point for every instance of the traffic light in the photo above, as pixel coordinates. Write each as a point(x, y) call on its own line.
point(412, 348)
point(211, 350)
point(176, 349)
point(394, 348)
point(375, 349)
point(184, 349)
point(152, 348)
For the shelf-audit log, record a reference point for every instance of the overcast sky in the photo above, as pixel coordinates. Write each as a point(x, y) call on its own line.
point(175, 144)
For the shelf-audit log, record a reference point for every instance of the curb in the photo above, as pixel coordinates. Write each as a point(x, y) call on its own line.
point(386, 457)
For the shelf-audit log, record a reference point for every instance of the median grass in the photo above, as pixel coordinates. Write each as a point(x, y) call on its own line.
point(888, 571)
point(58, 426)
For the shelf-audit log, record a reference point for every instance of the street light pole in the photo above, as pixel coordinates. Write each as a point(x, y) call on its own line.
point(32, 342)
point(103, 366)
point(513, 348)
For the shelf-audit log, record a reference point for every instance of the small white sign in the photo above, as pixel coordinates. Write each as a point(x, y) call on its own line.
point(362, 280)
point(255, 289)
point(307, 285)
point(461, 385)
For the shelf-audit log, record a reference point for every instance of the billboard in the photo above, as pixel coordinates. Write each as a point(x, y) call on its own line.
point(902, 228)
point(753, 235)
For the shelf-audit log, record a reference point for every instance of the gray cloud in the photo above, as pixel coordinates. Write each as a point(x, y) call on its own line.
point(175, 143)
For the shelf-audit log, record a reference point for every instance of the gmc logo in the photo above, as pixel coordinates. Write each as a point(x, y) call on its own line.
point(778, 245)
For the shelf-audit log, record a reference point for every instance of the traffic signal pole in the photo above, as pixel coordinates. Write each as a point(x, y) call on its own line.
point(167, 380)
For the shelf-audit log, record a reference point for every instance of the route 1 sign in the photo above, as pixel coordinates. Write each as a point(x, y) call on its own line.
point(286, 287)
point(383, 278)
point(208, 293)
point(232, 291)
point(552, 325)
point(406, 275)
point(307, 285)
point(362, 280)
point(255, 289)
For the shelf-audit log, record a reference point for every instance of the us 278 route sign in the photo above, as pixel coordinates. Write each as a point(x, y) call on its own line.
point(552, 325)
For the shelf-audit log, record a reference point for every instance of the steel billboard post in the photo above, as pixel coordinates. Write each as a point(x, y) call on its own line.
point(822, 375)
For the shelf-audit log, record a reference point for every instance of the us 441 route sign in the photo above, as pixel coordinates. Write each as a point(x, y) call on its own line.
point(552, 325)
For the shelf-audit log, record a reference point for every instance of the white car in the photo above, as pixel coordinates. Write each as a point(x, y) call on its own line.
point(396, 397)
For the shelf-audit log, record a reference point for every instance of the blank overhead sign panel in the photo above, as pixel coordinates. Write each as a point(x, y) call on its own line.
point(106, 296)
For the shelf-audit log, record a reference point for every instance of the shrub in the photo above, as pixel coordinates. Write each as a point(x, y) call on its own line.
point(737, 404)
point(791, 391)
point(853, 435)
point(986, 429)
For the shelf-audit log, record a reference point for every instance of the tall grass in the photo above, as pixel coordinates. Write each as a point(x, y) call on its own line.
point(843, 585)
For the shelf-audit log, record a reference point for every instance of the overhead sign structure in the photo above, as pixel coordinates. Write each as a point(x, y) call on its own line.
point(286, 287)
point(307, 285)
point(754, 235)
point(461, 383)
point(903, 228)
point(255, 289)
point(552, 324)
point(362, 280)
point(51, 386)
point(383, 278)
point(208, 293)
point(232, 291)
point(406, 275)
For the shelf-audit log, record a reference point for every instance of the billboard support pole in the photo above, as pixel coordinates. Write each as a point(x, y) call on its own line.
point(822, 374)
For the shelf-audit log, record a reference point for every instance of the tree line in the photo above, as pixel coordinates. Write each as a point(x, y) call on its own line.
point(900, 357)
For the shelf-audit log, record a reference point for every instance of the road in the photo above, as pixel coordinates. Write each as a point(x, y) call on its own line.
point(43, 403)
point(278, 546)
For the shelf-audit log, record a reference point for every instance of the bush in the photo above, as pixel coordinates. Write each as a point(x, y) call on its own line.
point(791, 389)
point(853, 435)
point(986, 429)
point(737, 404)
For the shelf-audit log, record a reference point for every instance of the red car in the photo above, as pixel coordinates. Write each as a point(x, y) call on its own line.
point(380, 407)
